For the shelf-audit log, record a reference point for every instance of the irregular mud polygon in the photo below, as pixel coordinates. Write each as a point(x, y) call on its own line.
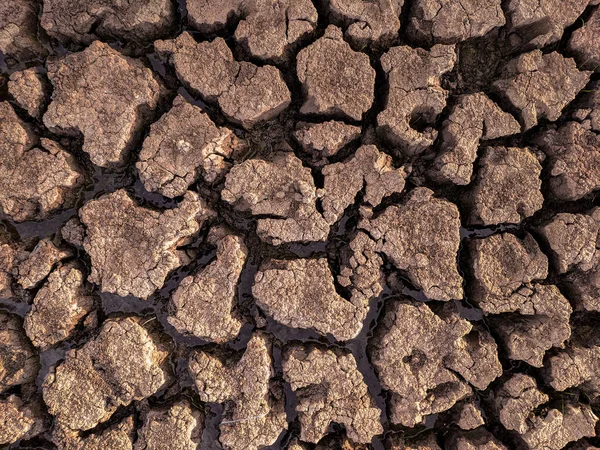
point(182, 145)
point(301, 294)
point(336, 80)
point(415, 97)
point(106, 97)
point(254, 414)
point(134, 248)
point(330, 389)
point(421, 237)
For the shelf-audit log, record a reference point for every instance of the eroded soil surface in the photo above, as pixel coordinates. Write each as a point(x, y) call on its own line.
point(299, 224)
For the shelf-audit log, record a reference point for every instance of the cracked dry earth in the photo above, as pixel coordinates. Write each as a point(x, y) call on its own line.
point(300, 224)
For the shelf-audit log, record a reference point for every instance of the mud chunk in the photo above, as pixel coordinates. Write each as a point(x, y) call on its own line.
point(116, 437)
point(8, 263)
point(417, 355)
point(343, 442)
point(335, 79)
point(204, 305)
point(206, 68)
point(18, 31)
point(269, 29)
point(301, 294)
point(479, 439)
point(585, 42)
point(18, 361)
point(502, 264)
point(587, 108)
point(507, 188)
point(258, 94)
point(424, 441)
point(558, 428)
point(133, 248)
point(361, 270)
point(574, 156)
point(584, 289)
point(122, 364)
point(247, 94)
point(281, 189)
point(55, 171)
point(515, 400)
point(468, 416)
point(539, 86)
point(573, 240)
point(254, 414)
point(106, 97)
point(266, 30)
point(421, 236)
point(19, 420)
point(30, 90)
point(415, 97)
point(452, 21)
point(73, 232)
point(330, 389)
point(366, 23)
point(208, 16)
point(85, 21)
point(474, 118)
point(368, 168)
point(178, 427)
point(183, 144)
point(542, 323)
point(576, 366)
point(58, 307)
point(537, 23)
point(327, 138)
point(39, 263)
point(504, 268)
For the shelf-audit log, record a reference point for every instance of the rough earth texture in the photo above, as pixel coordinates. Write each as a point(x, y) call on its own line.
point(282, 191)
point(538, 86)
point(133, 248)
point(421, 237)
point(299, 224)
point(301, 294)
point(58, 307)
point(254, 414)
point(104, 96)
point(183, 145)
point(507, 188)
point(30, 90)
point(18, 31)
point(473, 118)
point(573, 160)
point(83, 21)
point(368, 23)
point(336, 80)
point(204, 305)
point(178, 427)
point(415, 97)
point(55, 171)
point(419, 355)
point(325, 138)
point(246, 93)
point(121, 364)
point(452, 21)
point(329, 388)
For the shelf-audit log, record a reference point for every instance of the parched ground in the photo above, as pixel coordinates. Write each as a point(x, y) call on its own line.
point(299, 224)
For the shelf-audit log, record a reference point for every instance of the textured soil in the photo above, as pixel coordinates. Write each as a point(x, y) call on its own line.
point(300, 224)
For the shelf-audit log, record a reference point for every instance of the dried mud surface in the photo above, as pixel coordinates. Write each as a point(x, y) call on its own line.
point(299, 224)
